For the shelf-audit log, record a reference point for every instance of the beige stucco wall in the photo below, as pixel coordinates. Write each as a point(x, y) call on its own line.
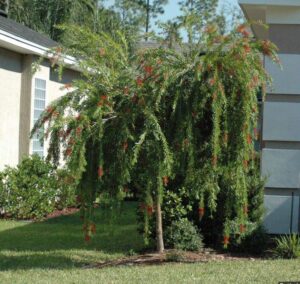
point(54, 87)
point(10, 87)
point(16, 92)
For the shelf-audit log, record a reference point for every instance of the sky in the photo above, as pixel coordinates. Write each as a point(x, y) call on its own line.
point(172, 9)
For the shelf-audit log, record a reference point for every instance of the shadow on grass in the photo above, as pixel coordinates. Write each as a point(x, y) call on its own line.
point(59, 243)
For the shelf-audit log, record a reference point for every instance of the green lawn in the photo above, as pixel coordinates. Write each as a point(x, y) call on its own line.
point(54, 252)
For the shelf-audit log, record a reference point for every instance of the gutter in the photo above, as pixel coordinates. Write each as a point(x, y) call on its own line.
point(28, 47)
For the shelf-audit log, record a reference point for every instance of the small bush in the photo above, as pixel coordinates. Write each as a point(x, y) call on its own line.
point(254, 241)
point(287, 246)
point(183, 235)
point(32, 190)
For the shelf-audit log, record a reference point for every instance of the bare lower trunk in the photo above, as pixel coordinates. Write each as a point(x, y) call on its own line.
point(159, 229)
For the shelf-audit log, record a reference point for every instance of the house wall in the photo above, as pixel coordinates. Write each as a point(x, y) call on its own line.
point(54, 88)
point(10, 90)
point(281, 123)
point(17, 85)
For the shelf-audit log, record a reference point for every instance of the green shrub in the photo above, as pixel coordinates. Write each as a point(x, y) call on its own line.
point(254, 241)
point(32, 190)
point(66, 190)
point(176, 206)
point(183, 235)
point(287, 246)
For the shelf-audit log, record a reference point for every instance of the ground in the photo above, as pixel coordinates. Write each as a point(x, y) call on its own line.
point(53, 251)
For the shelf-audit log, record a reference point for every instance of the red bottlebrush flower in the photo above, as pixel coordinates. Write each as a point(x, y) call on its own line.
point(58, 49)
point(87, 238)
point(78, 131)
point(148, 69)
point(226, 240)
point(266, 47)
point(68, 86)
point(103, 98)
point(256, 133)
point(249, 139)
point(211, 82)
point(245, 163)
point(125, 146)
point(139, 81)
point(68, 152)
point(93, 228)
point(102, 51)
point(214, 160)
point(242, 29)
point(201, 212)
point(247, 48)
point(100, 172)
point(165, 180)
point(242, 228)
point(149, 210)
point(55, 114)
point(50, 109)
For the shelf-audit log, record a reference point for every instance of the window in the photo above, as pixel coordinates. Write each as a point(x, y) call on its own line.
point(39, 106)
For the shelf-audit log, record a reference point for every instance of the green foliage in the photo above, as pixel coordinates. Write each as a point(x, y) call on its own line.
point(254, 241)
point(33, 190)
point(287, 246)
point(183, 235)
point(159, 116)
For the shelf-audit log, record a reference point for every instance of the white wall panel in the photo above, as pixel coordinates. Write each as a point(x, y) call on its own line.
point(281, 168)
point(287, 79)
point(279, 214)
point(281, 121)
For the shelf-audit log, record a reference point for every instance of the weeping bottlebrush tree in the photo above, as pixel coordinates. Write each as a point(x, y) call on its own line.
point(157, 116)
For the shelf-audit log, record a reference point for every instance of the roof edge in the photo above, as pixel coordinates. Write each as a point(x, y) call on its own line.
point(28, 47)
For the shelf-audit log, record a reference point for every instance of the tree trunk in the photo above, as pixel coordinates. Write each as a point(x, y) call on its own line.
point(159, 228)
point(147, 18)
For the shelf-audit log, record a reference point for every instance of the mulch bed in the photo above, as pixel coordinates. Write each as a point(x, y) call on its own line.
point(171, 256)
point(64, 212)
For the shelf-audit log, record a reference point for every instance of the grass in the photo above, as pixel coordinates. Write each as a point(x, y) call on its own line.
point(53, 251)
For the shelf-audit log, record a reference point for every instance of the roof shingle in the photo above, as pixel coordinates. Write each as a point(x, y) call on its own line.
point(26, 33)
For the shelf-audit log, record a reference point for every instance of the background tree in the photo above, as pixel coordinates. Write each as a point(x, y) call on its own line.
point(198, 14)
point(170, 32)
